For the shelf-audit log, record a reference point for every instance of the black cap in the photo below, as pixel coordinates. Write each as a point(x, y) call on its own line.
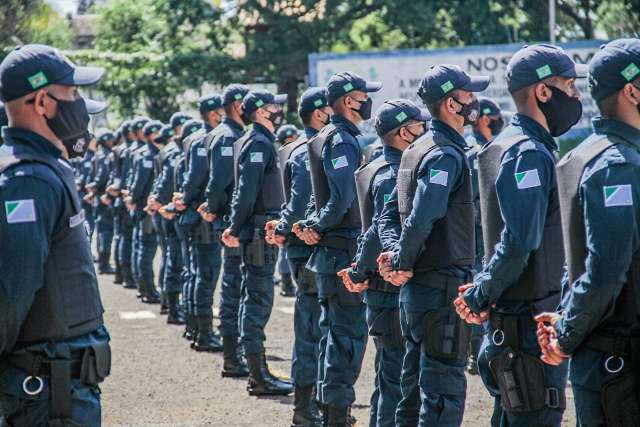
point(286, 131)
point(440, 80)
point(138, 123)
point(190, 127)
point(166, 133)
point(106, 136)
point(537, 62)
point(613, 66)
point(312, 99)
point(34, 66)
point(395, 113)
point(258, 98)
point(488, 107)
point(151, 126)
point(234, 92)
point(342, 83)
point(178, 119)
point(209, 103)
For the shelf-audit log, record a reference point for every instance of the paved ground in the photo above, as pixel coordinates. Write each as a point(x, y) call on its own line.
point(157, 380)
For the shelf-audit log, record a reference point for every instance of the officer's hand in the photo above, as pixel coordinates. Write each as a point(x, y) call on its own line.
point(270, 231)
point(400, 277)
point(350, 284)
point(384, 264)
point(166, 214)
point(297, 229)
point(88, 198)
point(125, 192)
point(113, 192)
point(463, 288)
point(105, 200)
point(310, 236)
point(229, 239)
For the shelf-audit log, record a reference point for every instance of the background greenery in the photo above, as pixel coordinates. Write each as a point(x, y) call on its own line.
point(155, 50)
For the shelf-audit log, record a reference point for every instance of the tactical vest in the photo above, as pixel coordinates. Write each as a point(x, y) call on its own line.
point(68, 305)
point(364, 186)
point(370, 149)
point(270, 196)
point(190, 140)
point(570, 170)
point(319, 183)
point(285, 153)
point(543, 273)
point(452, 239)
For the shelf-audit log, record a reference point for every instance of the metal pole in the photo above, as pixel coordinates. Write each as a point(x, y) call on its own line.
point(552, 21)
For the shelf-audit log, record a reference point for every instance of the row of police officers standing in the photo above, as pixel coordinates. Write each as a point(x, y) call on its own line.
point(428, 243)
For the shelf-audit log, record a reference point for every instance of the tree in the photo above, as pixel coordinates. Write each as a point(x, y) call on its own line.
point(32, 21)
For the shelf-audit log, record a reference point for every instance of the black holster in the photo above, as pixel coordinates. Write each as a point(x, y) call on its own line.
point(257, 252)
point(386, 326)
point(305, 280)
point(147, 225)
point(446, 335)
point(202, 233)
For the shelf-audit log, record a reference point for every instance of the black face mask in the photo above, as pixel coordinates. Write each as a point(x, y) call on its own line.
point(495, 126)
point(561, 111)
point(469, 111)
point(71, 120)
point(365, 109)
point(415, 135)
point(327, 118)
point(77, 147)
point(276, 118)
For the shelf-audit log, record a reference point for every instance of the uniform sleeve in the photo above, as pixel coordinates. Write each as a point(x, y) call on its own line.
point(340, 165)
point(102, 175)
point(612, 239)
point(439, 174)
point(197, 173)
point(251, 173)
point(300, 189)
point(389, 226)
point(164, 187)
point(523, 186)
point(144, 173)
point(29, 210)
point(220, 175)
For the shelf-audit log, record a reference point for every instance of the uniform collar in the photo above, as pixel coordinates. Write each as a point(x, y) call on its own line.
point(31, 141)
point(602, 126)
point(152, 148)
point(480, 139)
point(342, 123)
point(534, 130)
point(391, 154)
point(310, 132)
point(232, 124)
point(257, 127)
point(207, 127)
point(438, 126)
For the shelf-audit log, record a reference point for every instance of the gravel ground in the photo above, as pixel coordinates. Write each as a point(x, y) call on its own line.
point(157, 380)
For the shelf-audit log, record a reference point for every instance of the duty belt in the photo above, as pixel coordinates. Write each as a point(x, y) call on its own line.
point(620, 349)
point(377, 283)
point(507, 328)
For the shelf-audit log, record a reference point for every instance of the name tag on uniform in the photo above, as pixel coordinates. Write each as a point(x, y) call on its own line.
point(147, 164)
point(201, 152)
point(227, 151)
point(76, 219)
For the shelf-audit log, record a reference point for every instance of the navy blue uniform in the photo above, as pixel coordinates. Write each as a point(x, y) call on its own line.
point(36, 207)
point(442, 385)
point(126, 242)
point(86, 170)
point(343, 318)
point(219, 193)
point(104, 213)
point(524, 212)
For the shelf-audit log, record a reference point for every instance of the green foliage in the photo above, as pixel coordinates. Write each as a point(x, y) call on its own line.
point(32, 21)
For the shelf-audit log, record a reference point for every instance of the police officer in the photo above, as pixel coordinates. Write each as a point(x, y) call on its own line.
point(184, 224)
point(161, 195)
point(146, 237)
point(489, 124)
point(257, 199)
point(216, 210)
point(206, 249)
point(334, 156)
point(428, 228)
point(104, 211)
point(598, 186)
point(314, 111)
point(286, 134)
point(398, 123)
point(54, 348)
point(85, 167)
point(523, 239)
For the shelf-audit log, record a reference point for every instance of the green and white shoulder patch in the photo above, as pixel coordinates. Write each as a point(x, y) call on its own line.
point(19, 211)
point(386, 198)
point(256, 157)
point(439, 177)
point(227, 151)
point(617, 195)
point(340, 162)
point(527, 179)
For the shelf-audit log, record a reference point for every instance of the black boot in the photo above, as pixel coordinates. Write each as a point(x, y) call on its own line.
point(302, 402)
point(149, 293)
point(234, 366)
point(190, 328)
point(164, 303)
point(267, 373)
point(119, 279)
point(474, 349)
point(104, 267)
point(261, 385)
point(176, 316)
point(287, 287)
point(340, 416)
point(207, 340)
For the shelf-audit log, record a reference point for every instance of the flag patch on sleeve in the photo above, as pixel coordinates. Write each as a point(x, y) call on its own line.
point(19, 211)
point(617, 195)
point(340, 162)
point(527, 179)
point(227, 151)
point(255, 157)
point(438, 177)
point(202, 152)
